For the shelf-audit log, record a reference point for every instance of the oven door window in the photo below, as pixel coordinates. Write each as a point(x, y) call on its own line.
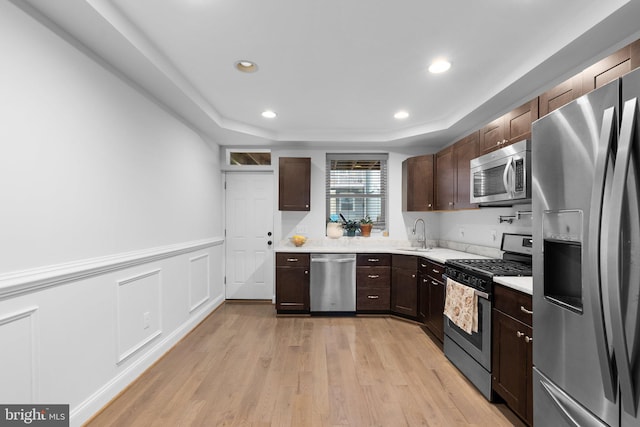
point(475, 338)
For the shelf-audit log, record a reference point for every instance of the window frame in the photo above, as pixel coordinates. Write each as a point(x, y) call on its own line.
point(383, 158)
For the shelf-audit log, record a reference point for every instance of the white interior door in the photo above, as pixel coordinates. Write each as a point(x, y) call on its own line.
point(249, 235)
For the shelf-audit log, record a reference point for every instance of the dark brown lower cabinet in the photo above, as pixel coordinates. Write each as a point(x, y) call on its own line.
point(373, 283)
point(431, 296)
point(404, 286)
point(512, 353)
point(292, 283)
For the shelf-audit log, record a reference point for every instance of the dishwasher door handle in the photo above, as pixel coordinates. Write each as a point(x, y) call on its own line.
point(334, 260)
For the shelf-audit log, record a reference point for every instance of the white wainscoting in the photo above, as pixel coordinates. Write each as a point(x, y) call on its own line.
point(18, 361)
point(198, 280)
point(139, 312)
point(81, 332)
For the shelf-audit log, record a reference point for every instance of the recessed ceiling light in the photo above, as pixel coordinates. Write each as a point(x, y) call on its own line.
point(269, 114)
point(439, 66)
point(400, 115)
point(246, 66)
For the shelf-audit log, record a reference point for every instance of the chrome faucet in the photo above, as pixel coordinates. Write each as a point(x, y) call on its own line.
point(421, 239)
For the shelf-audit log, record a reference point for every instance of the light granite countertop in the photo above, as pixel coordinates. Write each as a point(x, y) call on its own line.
point(437, 254)
point(522, 284)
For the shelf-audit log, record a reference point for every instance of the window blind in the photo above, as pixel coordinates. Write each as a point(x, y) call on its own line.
point(356, 187)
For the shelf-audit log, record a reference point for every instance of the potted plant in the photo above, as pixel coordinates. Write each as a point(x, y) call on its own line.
point(351, 226)
point(366, 224)
point(334, 228)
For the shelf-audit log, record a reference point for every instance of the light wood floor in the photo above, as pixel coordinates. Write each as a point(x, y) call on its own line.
point(243, 366)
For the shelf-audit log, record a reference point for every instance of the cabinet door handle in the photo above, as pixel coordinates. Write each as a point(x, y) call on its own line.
point(373, 260)
point(519, 334)
point(435, 271)
point(423, 265)
point(373, 276)
point(373, 296)
point(528, 340)
point(425, 281)
point(292, 259)
point(434, 283)
point(524, 310)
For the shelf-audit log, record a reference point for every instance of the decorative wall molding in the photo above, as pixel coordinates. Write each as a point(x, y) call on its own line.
point(135, 295)
point(195, 284)
point(31, 335)
point(17, 283)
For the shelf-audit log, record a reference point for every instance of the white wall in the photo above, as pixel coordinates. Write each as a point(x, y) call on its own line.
point(110, 211)
point(478, 226)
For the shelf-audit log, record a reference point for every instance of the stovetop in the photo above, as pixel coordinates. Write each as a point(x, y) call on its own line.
point(479, 273)
point(492, 267)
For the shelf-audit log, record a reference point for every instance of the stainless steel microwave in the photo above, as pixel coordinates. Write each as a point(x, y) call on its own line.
point(502, 177)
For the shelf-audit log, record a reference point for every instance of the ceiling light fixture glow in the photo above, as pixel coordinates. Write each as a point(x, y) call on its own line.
point(401, 115)
point(439, 66)
point(246, 66)
point(269, 114)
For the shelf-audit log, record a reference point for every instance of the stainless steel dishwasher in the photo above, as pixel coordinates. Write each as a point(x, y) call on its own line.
point(333, 283)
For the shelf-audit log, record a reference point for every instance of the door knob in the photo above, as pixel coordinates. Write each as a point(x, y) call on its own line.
point(269, 234)
point(269, 243)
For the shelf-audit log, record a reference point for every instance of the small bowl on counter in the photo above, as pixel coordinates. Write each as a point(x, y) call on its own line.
point(298, 240)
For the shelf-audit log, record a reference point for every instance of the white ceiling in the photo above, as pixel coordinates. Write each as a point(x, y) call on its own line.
point(336, 71)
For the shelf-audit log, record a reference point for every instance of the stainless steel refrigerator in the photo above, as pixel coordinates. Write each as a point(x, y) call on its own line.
point(586, 260)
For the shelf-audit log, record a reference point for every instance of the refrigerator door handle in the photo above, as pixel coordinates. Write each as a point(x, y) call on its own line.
point(593, 266)
point(613, 266)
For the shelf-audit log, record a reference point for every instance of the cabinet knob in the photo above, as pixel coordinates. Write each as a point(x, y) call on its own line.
point(306, 272)
point(450, 203)
point(306, 206)
point(528, 339)
point(498, 143)
point(519, 334)
point(413, 276)
point(429, 205)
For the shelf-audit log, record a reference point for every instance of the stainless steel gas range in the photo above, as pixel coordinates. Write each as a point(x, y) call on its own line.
point(471, 353)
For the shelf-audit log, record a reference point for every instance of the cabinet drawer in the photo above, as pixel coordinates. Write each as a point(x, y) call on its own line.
point(430, 268)
point(379, 277)
point(373, 260)
point(373, 299)
point(514, 303)
point(406, 262)
point(292, 259)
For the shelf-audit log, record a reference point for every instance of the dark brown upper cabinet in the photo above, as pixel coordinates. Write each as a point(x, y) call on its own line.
point(445, 175)
point(560, 95)
point(294, 186)
point(610, 68)
point(417, 184)
point(452, 173)
point(464, 151)
point(510, 128)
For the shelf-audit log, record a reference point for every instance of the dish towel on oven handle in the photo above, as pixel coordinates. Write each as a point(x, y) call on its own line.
point(461, 306)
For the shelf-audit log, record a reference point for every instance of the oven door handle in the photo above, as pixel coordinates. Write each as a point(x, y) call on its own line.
point(477, 292)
